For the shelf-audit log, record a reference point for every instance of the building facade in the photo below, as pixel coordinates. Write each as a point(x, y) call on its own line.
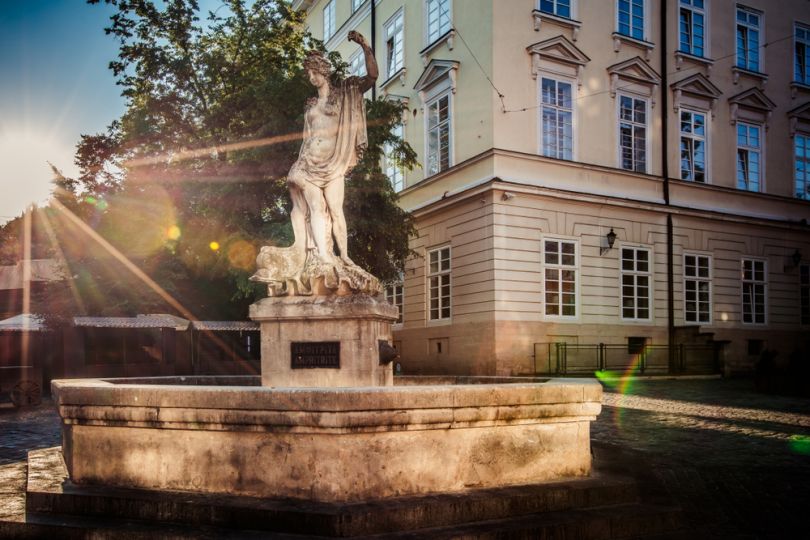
point(595, 171)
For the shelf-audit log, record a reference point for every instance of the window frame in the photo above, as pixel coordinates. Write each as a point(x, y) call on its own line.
point(806, 161)
point(435, 98)
point(541, 109)
point(764, 283)
point(559, 266)
point(760, 29)
point(647, 130)
point(426, 22)
point(705, 138)
point(332, 19)
point(698, 279)
point(650, 283)
point(806, 43)
point(397, 299)
point(358, 56)
point(760, 150)
point(644, 20)
point(554, 12)
point(357, 4)
point(704, 11)
point(390, 24)
point(389, 163)
point(429, 289)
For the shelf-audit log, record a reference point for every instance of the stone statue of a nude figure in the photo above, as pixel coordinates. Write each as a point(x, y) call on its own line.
point(333, 140)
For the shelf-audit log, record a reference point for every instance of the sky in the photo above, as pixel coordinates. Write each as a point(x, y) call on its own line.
point(54, 86)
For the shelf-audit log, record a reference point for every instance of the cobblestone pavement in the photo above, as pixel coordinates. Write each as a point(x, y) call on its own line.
point(736, 461)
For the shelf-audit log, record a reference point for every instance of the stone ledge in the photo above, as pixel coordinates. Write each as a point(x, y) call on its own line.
point(294, 308)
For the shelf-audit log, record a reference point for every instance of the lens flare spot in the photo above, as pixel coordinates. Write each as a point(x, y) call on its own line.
point(800, 444)
point(724, 316)
point(90, 200)
point(214, 246)
point(242, 254)
point(173, 233)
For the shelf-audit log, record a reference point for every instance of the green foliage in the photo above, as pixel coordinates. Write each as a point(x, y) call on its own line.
point(190, 181)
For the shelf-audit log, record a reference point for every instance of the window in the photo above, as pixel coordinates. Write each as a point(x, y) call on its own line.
point(801, 158)
point(438, 19)
point(394, 295)
point(753, 291)
point(329, 20)
point(393, 171)
point(631, 18)
point(635, 283)
point(693, 146)
point(557, 118)
point(749, 151)
point(561, 8)
point(633, 133)
point(804, 284)
point(356, 4)
point(439, 284)
point(357, 64)
point(697, 288)
point(801, 57)
point(560, 278)
point(692, 27)
point(394, 46)
point(438, 134)
point(748, 24)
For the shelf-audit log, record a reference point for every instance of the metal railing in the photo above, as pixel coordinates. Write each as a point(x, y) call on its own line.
point(568, 359)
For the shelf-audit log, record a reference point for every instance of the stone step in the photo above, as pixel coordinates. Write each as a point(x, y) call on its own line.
point(626, 521)
point(50, 492)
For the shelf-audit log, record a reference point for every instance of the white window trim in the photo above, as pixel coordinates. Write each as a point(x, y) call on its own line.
point(400, 283)
point(386, 163)
point(761, 29)
point(648, 138)
point(389, 24)
point(710, 280)
point(646, 32)
point(428, 275)
point(425, 26)
point(806, 42)
point(762, 130)
point(577, 278)
point(807, 165)
point(742, 291)
point(438, 92)
point(706, 140)
point(330, 6)
point(574, 109)
point(358, 55)
point(706, 29)
point(357, 4)
point(650, 284)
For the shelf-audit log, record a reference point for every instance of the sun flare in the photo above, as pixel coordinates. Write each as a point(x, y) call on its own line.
point(25, 176)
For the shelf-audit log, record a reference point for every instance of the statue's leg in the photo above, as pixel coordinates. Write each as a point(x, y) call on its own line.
point(298, 215)
point(318, 219)
point(334, 193)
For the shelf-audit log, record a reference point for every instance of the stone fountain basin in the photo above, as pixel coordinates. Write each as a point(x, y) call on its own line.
point(229, 435)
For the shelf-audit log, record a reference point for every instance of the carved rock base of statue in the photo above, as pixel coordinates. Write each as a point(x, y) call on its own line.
point(295, 272)
point(325, 341)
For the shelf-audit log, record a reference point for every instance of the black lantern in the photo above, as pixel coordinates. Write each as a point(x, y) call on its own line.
point(796, 258)
point(611, 238)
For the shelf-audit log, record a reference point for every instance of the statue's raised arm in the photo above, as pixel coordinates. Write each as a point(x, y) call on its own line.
point(334, 138)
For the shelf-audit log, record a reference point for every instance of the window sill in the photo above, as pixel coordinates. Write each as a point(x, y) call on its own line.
point(680, 56)
point(619, 39)
point(540, 16)
point(796, 88)
point(399, 75)
point(737, 72)
point(448, 37)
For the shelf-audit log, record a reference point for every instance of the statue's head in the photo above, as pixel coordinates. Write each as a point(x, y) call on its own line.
point(318, 68)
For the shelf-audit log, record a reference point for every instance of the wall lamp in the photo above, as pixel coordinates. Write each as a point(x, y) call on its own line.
point(611, 239)
point(796, 258)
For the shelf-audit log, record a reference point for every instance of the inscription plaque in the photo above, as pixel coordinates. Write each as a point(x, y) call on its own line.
point(315, 354)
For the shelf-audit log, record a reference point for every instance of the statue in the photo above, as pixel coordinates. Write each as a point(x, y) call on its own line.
point(333, 141)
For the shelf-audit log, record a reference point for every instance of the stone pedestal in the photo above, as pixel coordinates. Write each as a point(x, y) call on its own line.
point(324, 341)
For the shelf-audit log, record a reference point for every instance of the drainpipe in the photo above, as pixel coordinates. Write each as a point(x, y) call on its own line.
point(374, 41)
point(665, 173)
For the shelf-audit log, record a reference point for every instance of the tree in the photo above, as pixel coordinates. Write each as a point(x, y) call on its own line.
point(190, 181)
